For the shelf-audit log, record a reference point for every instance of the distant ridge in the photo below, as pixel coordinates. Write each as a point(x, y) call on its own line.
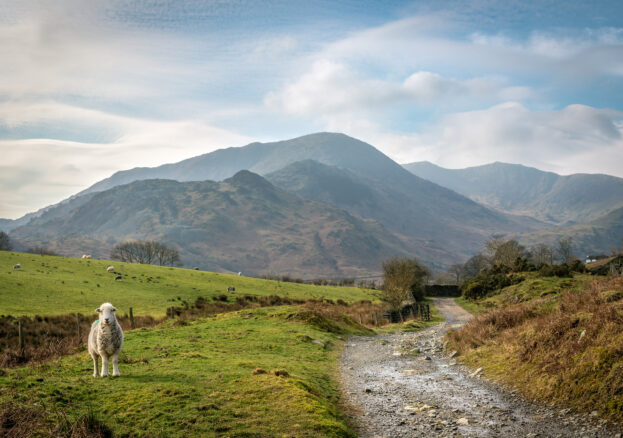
point(261, 158)
point(517, 189)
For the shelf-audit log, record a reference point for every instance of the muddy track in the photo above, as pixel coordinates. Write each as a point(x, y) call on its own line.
point(405, 385)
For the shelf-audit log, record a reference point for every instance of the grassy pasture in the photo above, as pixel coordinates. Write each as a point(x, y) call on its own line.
point(198, 379)
point(47, 285)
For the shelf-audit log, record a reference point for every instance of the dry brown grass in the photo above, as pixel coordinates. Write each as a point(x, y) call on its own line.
point(539, 347)
point(49, 337)
point(17, 421)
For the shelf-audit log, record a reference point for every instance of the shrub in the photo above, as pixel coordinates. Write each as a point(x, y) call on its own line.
point(561, 270)
point(485, 283)
point(577, 266)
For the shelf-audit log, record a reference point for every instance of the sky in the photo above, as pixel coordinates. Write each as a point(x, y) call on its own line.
point(88, 88)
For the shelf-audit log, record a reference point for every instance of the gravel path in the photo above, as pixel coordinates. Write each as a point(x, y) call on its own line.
point(403, 385)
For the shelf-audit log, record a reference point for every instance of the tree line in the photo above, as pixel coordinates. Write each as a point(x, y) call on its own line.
point(145, 252)
point(510, 254)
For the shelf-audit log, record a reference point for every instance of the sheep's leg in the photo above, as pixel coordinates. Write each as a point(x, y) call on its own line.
point(104, 366)
point(96, 371)
point(115, 365)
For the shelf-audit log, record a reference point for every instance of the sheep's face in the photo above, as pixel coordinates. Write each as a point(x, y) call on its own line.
point(107, 313)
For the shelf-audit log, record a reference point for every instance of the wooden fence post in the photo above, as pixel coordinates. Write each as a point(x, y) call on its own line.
point(376, 320)
point(427, 312)
point(131, 318)
point(21, 337)
point(78, 326)
point(360, 320)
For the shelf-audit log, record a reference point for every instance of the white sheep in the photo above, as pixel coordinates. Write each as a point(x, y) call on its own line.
point(18, 266)
point(86, 256)
point(106, 340)
point(110, 268)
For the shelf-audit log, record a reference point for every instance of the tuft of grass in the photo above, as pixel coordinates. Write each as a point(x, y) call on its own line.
point(202, 378)
point(50, 285)
point(567, 349)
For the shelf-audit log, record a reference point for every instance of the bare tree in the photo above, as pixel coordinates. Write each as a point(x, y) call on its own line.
point(165, 255)
point(146, 252)
point(475, 266)
point(401, 278)
point(5, 242)
point(507, 252)
point(564, 250)
point(492, 245)
point(541, 254)
point(457, 270)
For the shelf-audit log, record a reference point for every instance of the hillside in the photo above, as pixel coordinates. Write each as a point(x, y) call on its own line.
point(596, 237)
point(262, 158)
point(48, 285)
point(441, 226)
point(418, 218)
point(241, 224)
point(554, 339)
point(517, 189)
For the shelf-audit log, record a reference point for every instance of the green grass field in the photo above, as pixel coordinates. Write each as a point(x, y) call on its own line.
point(216, 376)
point(47, 285)
point(198, 380)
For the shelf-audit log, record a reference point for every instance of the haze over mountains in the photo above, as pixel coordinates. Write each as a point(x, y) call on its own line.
point(325, 204)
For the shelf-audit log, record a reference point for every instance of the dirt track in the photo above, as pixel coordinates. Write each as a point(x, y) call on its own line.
point(404, 385)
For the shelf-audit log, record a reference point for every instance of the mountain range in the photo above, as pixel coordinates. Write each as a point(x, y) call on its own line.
point(323, 204)
point(517, 189)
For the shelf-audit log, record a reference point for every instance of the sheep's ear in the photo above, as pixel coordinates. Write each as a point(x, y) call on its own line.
point(97, 310)
point(114, 309)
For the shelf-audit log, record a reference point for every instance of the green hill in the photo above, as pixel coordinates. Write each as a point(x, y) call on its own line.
point(57, 285)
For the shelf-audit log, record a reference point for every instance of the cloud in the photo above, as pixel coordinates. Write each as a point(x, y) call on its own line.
point(575, 139)
point(333, 87)
point(435, 42)
point(38, 172)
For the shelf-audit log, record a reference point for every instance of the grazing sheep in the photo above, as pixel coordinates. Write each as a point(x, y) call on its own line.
point(239, 274)
point(196, 268)
point(86, 256)
point(17, 266)
point(231, 289)
point(110, 268)
point(105, 340)
point(118, 277)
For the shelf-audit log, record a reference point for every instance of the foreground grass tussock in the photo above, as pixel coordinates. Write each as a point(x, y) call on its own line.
point(196, 378)
point(566, 348)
